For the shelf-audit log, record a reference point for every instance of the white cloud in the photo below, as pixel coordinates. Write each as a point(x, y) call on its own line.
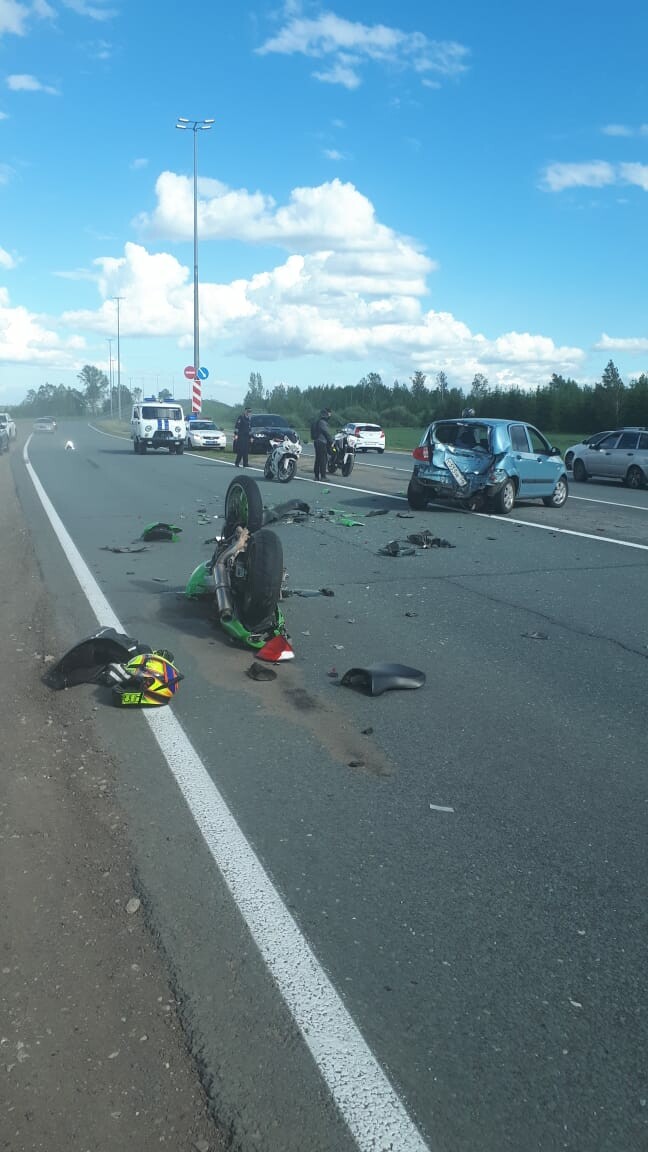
point(93, 11)
point(595, 174)
point(25, 83)
point(332, 154)
point(617, 130)
point(6, 259)
point(139, 162)
point(349, 44)
point(4, 115)
point(6, 172)
point(623, 344)
point(635, 174)
point(24, 339)
point(349, 288)
point(16, 16)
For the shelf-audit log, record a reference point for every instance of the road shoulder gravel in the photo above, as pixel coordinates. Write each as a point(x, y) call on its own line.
point(92, 1051)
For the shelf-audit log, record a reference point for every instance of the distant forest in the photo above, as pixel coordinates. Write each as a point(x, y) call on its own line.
point(560, 405)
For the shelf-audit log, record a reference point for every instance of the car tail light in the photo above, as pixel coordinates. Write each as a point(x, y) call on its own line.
point(381, 434)
point(421, 453)
point(356, 431)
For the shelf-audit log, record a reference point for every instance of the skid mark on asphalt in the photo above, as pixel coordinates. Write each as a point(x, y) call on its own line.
point(286, 699)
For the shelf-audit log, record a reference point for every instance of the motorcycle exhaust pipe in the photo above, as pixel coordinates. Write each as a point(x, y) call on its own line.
point(222, 584)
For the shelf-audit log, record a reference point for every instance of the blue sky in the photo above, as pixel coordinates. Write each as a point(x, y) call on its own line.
point(386, 187)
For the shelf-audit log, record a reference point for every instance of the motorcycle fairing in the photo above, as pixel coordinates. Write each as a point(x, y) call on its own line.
point(378, 678)
point(256, 640)
point(85, 661)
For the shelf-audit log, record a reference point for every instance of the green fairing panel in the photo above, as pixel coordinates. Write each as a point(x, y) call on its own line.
point(201, 581)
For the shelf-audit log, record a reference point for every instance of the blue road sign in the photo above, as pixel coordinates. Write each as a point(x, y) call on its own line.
point(202, 373)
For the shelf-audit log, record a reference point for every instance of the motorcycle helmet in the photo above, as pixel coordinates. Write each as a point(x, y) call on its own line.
point(148, 680)
point(468, 412)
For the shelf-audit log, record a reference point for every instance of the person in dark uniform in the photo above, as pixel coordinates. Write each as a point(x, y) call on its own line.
point(322, 439)
point(242, 438)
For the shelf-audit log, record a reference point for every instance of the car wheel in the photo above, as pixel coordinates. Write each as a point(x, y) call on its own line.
point(416, 496)
point(579, 471)
point(180, 448)
point(380, 451)
point(634, 477)
point(569, 461)
point(504, 501)
point(559, 496)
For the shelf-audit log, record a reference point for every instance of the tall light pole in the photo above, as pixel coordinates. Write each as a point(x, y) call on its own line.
point(118, 298)
point(110, 378)
point(196, 127)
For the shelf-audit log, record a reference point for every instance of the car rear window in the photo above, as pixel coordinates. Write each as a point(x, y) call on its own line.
point(462, 435)
point(643, 442)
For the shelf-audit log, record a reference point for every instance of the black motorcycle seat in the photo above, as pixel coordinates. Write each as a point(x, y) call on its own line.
point(378, 678)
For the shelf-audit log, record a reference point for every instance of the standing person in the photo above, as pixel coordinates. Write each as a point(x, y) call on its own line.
point(322, 440)
point(242, 438)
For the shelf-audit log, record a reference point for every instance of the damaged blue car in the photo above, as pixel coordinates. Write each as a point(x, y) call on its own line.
point(487, 464)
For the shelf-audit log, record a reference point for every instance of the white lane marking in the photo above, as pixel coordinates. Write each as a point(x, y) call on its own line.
point(609, 503)
point(373, 1112)
point(440, 808)
point(563, 531)
point(482, 515)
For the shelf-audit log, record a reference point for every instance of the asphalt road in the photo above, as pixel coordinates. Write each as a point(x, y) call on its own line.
point(474, 889)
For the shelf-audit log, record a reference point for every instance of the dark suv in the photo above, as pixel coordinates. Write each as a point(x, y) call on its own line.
point(265, 426)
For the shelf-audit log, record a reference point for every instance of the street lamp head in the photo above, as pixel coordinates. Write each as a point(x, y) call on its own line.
point(182, 119)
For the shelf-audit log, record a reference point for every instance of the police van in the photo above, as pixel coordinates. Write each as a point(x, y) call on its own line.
point(158, 424)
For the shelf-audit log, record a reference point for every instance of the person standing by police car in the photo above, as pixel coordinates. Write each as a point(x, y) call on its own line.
point(242, 438)
point(322, 441)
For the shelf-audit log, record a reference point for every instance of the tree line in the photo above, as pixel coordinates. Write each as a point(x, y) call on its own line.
point(560, 405)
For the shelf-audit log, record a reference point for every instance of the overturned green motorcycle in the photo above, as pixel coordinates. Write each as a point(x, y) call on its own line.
point(244, 576)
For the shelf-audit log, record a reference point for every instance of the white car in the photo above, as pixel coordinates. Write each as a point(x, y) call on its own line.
point(205, 434)
point(365, 437)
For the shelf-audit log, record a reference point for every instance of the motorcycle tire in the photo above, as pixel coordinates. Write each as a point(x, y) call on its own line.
point(347, 467)
point(286, 470)
point(243, 505)
point(331, 467)
point(267, 470)
point(258, 594)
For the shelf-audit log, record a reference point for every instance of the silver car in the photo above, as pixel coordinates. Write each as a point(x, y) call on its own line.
point(621, 455)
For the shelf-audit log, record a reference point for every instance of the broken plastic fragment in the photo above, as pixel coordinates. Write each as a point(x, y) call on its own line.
point(378, 678)
point(85, 661)
point(160, 531)
point(259, 672)
point(397, 548)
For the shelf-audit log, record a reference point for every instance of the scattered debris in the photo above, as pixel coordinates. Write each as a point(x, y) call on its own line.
point(289, 508)
point(339, 647)
point(133, 906)
point(356, 764)
point(305, 592)
point(367, 731)
point(412, 614)
point(440, 808)
point(378, 678)
point(108, 548)
point(161, 531)
point(333, 673)
point(397, 548)
point(377, 512)
point(161, 579)
point(276, 650)
point(85, 661)
point(69, 446)
point(427, 540)
point(405, 515)
point(260, 672)
point(348, 522)
point(535, 635)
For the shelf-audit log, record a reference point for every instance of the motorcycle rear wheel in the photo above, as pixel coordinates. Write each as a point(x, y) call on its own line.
point(347, 467)
point(259, 592)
